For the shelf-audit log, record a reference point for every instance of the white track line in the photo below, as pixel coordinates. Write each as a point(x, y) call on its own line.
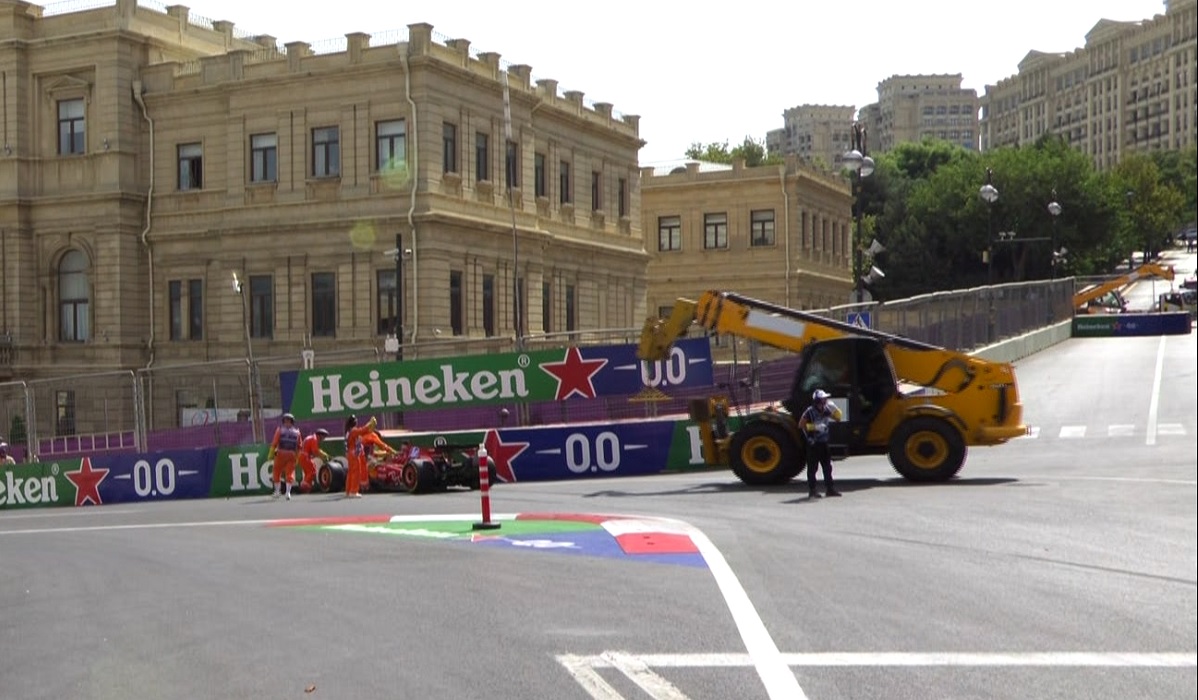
point(638, 672)
point(1155, 404)
point(582, 670)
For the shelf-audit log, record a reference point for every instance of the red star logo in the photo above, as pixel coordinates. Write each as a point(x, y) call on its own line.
point(574, 375)
point(502, 454)
point(87, 483)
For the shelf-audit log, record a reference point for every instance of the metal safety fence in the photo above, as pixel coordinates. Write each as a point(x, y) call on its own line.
point(234, 402)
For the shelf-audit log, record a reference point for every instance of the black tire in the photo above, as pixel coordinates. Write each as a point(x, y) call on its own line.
point(410, 477)
point(418, 476)
point(764, 454)
point(330, 476)
point(927, 449)
point(471, 465)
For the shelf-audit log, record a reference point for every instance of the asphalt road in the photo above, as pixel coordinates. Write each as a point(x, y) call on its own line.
point(1062, 565)
point(1142, 295)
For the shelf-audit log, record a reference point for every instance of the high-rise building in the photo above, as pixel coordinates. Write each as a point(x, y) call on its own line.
point(1130, 89)
point(816, 134)
point(913, 108)
point(150, 156)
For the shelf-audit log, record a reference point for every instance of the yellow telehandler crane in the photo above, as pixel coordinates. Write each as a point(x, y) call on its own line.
point(1093, 300)
point(919, 404)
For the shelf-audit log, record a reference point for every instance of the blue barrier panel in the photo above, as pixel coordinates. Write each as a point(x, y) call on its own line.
point(1125, 325)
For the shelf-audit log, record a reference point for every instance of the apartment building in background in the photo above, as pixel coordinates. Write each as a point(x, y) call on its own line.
point(914, 108)
point(151, 156)
point(816, 134)
point(1130, 89)
point(780, 233)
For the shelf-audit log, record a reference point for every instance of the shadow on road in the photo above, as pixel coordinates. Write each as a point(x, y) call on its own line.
point(797, 487)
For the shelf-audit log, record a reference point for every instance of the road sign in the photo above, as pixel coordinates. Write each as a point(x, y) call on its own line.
point(861, 319)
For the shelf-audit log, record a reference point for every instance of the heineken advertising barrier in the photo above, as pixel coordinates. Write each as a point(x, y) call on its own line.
point(520, 454)
point(1120, 325)
point(478, 380)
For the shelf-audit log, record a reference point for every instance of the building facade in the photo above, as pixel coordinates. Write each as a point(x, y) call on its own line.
point(816, 134)
point(780, 233)
point(1130, 89)
point(914, 108)
point(173, 191)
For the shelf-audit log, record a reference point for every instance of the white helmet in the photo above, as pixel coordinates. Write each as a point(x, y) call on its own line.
point(820, 395)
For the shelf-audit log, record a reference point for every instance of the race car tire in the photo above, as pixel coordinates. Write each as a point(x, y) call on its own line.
point(330, 477)
point(417, 476)
point(471, 464)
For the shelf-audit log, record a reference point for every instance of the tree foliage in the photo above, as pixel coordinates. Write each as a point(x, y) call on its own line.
point(751, 150)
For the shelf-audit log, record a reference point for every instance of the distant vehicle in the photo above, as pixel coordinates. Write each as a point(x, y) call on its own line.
point(1106, 299)
point(1183, 300)
point(413, 468)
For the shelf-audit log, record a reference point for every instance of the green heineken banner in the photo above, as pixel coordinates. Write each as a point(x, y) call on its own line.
point(477, 380)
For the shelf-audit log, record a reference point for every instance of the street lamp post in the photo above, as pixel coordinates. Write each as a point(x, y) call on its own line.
point(860, 165)
point(989, 194)
point(1054, 208)
point(255, 390)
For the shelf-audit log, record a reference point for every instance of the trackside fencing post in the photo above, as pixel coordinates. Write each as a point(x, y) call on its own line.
point(484, 490)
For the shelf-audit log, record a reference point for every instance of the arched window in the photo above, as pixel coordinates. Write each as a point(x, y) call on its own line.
point(74, 315)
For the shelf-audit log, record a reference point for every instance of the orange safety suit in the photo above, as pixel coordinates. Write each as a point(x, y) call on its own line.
point(284, 449)
point(309, 450)
point(355, 457)
point(370, 441)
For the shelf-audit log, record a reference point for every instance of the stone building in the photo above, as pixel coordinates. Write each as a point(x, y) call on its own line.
point(1132, 88)
point(150, 157)
point(913, 108)
point(817, 134)
point(780, 233)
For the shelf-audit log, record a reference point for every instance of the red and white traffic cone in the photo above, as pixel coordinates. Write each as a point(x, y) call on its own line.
point(484, 490)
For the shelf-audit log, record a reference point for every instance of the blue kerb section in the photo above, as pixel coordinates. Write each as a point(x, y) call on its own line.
point(592, 543)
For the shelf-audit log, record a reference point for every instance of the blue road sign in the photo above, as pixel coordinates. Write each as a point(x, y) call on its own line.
point(861, 319)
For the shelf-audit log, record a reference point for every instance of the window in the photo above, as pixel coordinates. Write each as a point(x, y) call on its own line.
point(622, 197)
point(567, 189)
point(71, 140)
point(570, 319)
point(512, 165)
point(665, 311)
point(669, 233)
point(326, 152)
point(546, 307)
point(74, 316)
point(386, 302)
point(324, 304)
point(596, 190)
point(489, 305)
point(195, 309)
point(264, 158)
point(761, 225)
point(482, 157)
point(715, 231)
point(64, 412)
point(540, 185)
point(391, 146)
point(175, 296)
point(262, 306)
point(449, 147)
point(191, 166)
point(457, 322)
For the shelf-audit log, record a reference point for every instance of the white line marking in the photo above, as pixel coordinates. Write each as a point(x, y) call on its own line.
point(1170, 429)
point(1155, 404)
point(1120, 430)
point(63, 513)
point(1108, 659)
point(583, 671)
point(780, 682)
point(1073, 431)
point(638, 672)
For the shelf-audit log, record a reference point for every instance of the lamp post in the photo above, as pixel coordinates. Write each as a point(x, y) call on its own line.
point(860, 165)
point(255, 403)
point(989, 194)
point(1054, 208)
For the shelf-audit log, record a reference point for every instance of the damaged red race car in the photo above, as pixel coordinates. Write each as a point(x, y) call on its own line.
point(412, 468)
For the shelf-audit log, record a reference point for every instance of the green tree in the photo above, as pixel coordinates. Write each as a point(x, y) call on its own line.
point(751, 150)
point(1152, 208)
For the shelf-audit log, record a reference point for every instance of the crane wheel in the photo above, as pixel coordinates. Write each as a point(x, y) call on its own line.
point(763, 454)
point(927, 449)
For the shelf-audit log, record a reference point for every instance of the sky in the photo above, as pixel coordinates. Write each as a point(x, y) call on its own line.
point(713, 72)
